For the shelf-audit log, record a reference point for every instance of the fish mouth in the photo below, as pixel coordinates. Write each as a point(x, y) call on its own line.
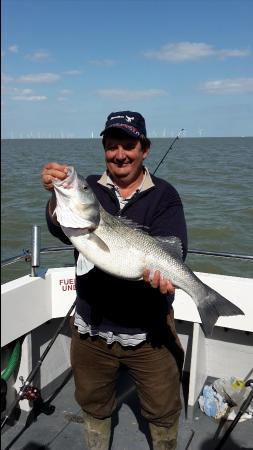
point(67, 182)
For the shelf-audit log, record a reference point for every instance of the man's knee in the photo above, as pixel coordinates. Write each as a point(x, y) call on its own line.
point(163, 418)
point(99, 406)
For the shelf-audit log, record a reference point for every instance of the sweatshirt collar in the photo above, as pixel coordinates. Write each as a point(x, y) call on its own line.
point(147, 182)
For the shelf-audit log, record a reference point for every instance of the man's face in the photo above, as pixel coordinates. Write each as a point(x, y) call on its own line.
point(124, 156)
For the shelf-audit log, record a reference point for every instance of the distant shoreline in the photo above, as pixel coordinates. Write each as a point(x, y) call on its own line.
point(99, 139)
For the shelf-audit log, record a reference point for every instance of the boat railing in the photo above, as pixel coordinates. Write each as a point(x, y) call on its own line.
point(33, 256)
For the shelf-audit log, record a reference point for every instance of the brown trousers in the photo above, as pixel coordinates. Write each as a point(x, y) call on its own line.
point(155, 370)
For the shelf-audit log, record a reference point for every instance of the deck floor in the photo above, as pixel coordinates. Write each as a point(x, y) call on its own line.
point(62, 430)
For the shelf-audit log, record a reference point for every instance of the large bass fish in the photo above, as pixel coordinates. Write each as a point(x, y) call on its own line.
point(119, 247)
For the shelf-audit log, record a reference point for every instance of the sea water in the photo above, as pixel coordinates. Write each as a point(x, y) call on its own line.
point(212, 175)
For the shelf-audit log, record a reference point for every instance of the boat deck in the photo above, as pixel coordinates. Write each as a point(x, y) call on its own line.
point(62, 428)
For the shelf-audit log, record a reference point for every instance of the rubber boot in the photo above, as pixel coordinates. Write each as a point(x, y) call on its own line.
point(97, 432)
point(164, 438)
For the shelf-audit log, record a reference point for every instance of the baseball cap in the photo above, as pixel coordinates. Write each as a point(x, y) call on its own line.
point(131, 122)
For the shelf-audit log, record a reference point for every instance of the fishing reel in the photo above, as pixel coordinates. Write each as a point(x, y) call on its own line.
point(30, 393)
point(33, 394)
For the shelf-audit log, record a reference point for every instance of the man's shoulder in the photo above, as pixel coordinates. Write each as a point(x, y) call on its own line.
point(164, 185)
point(93, 178)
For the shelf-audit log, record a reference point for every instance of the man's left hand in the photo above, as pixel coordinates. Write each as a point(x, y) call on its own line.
point(165, 286)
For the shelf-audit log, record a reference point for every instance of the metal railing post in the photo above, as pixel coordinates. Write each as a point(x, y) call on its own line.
point(35, 254)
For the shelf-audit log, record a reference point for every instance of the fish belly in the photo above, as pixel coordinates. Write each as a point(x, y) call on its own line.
point(120, 261)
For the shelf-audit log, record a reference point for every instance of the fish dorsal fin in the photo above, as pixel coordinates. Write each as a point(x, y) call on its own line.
point(130, 223)
point(122, 220)
point(172, 244)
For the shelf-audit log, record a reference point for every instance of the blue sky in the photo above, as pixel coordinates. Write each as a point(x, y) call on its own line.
point(183, 64)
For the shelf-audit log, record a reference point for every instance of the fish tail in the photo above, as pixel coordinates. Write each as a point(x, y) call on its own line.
point(212, 306)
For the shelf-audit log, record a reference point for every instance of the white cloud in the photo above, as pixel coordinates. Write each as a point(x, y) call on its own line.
point(181, 51)
point(64, 95)
point(233, 53)
point(72, 72)
point(13, 48)
point(24, 94)
point(6, 78)
point(127, 94)
point(191, 51)
point(228, 86)
point(30, 98)
point(66, 92)
point(39, 55)
point(102, 62)
point(18, 91)
point(39, 78)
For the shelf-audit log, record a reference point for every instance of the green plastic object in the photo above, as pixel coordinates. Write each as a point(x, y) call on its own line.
point(12, 363)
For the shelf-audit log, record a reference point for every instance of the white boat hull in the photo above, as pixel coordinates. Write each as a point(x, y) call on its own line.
point(34, 306)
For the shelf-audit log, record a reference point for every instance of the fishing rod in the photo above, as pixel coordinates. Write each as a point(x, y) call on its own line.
point(170, 147)
point(242, 410)
point(27, 391)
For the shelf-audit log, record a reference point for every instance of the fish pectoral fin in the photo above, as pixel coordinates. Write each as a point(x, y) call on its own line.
point(98, 242)
point(172, 244)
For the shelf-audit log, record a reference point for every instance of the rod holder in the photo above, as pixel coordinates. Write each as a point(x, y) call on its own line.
point(35, 255)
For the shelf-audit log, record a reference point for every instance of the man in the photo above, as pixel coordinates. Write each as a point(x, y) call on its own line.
point(120, 322)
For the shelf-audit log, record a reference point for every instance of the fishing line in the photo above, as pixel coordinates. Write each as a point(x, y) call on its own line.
point(166, 153)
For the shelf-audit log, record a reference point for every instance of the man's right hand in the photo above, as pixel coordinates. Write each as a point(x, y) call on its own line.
point(50, 171)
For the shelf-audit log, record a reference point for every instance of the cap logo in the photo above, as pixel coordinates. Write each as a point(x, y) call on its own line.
point(129, 119)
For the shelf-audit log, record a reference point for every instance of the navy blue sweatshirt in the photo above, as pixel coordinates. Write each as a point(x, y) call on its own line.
point(123, 306)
